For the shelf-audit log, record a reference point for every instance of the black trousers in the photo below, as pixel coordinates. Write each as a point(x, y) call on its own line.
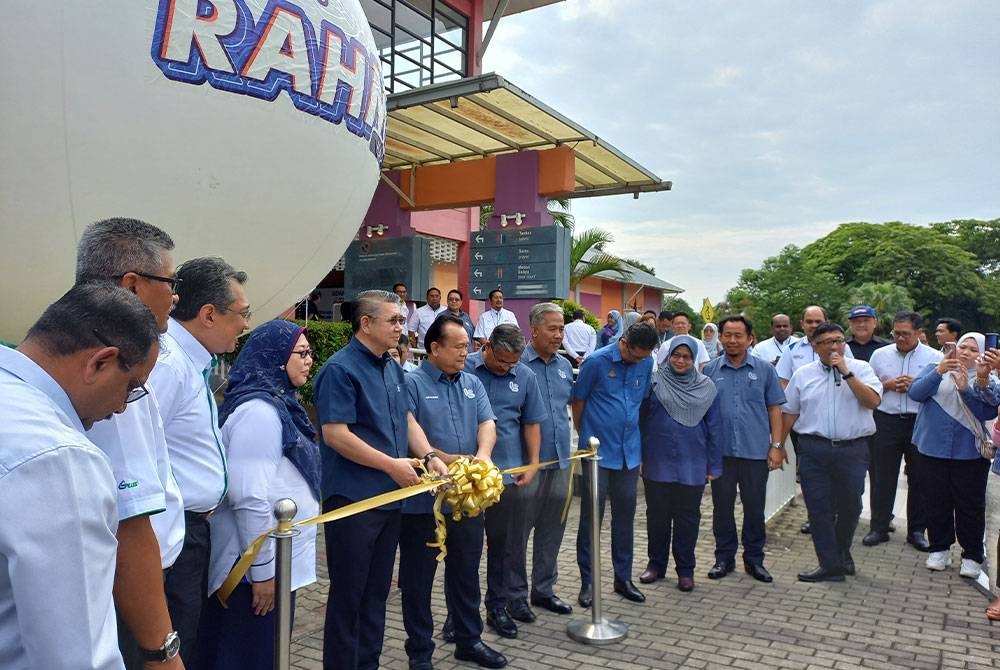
point(186, 584)
point(673, 512)
point(417, 566)
point(507, 525)
point(890, 444)
point(958, 492)
point(360, 555)
point(750, 476)
point(234, 637)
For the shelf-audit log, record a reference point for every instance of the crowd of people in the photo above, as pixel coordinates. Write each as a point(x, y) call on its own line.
point(108, 401)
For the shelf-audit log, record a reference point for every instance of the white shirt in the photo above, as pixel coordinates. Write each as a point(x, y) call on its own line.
point(490, 320)
point(701, 358)
point(579, 339)
point(888, 362)
point(826, 409)
point(190, 418)
point(57, 538)
point(799, 354)
point(404, 310)
point(421, 319)
point(259, 476)
point(770, 349)
point(135, 444)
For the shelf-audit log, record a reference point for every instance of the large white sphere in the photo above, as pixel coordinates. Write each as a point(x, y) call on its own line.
point(262, 146)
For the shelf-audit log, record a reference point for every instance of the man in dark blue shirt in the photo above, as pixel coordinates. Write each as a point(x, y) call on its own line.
point(555, 381)
point(513, 394)
point(364, 412)
point(610, 388)
point(750, 401)
point(452, 407)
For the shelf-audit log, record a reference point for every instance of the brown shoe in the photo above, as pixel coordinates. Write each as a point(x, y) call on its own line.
point(685, 584)
point(651, 574)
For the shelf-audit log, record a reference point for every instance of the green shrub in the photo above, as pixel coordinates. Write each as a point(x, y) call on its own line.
point(569, 307)
point(326, 339)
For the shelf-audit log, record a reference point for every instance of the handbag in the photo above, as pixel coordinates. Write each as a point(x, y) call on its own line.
point(983, 441)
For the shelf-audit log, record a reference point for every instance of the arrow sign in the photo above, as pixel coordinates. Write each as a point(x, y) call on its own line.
point(477, 273)
point(477, 290)
point(478, 256)
point(480, 238)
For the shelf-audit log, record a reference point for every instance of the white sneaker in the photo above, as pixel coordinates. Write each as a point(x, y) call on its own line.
point(938, 560)
point(970, 568)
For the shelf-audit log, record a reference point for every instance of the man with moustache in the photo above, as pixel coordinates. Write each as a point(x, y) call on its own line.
point(830, 403)
point(211, 312)
point(493, 317)
point(863, 341)
point(422, 317)
point(774, 347)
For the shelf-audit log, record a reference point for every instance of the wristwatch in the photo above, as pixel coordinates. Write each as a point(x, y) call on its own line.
point(777, 445)
point(848, 375)
point(170, 648)
point(428, 457)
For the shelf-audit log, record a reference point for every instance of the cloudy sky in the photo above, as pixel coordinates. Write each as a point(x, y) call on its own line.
point(775, 120)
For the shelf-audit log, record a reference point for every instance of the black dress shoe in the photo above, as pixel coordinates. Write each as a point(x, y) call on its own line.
point(552, 604)
point(500, 621)
point(918, 541)
point(685, 584)
point(821, 575)
point(482, 655)
point(651, 574)
point(519, 610)
point(847, 561)
point(805, 529)
point(721, 569)
point(628, 591)
point(420, 665)
point(875, 537)
point(758, 572)
point(448, 630)
point(586, 598)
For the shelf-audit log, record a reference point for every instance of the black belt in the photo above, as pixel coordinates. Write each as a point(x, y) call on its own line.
point(197, 516)
point(906, 417)
point(837, 443)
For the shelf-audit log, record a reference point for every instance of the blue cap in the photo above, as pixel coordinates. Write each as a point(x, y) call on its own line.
point(862, 310)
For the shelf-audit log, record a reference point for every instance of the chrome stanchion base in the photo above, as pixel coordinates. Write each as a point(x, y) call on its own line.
point(602, 632)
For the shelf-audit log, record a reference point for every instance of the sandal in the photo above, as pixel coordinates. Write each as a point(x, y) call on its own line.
point(993, 611)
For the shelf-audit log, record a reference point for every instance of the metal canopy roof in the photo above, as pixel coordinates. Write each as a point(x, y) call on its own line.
point(484, 116)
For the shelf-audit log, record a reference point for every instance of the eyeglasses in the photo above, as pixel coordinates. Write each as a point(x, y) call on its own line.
point(830, 342)
point(397, 320)
point(245, 313)
point(903, 335)
point(304, 353)
point(173, 281)
point(136, 391)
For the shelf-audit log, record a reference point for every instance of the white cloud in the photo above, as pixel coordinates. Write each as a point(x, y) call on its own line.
point(572, 10)
point(723, 77)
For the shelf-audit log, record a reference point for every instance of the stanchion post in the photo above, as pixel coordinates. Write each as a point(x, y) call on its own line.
point(598, 630)
point(284, 511)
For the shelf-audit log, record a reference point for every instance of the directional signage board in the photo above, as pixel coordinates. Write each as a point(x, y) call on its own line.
point(523, 262)
point(380, 263)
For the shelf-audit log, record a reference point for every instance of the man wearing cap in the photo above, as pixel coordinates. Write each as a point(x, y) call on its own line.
point(864, 342)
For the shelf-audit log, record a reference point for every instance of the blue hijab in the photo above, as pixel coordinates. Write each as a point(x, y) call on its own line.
point(619, 326)
point(259, 373)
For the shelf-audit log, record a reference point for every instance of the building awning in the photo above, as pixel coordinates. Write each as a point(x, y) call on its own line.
point(485, 116)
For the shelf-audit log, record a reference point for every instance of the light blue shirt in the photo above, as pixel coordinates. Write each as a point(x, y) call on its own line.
point(449, 409)
point(612, 392)
point(190, 418)
point(938, 435)
point(745, 394)
point(555, 382)
point(57, 540)
point(516, 402)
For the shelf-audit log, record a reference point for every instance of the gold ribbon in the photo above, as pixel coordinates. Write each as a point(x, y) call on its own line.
point(428, 484)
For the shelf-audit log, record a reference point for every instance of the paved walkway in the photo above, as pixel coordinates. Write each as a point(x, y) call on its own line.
point(894, 614)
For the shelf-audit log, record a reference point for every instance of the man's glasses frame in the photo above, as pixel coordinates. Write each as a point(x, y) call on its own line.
point(136, 392)
point(173, 281)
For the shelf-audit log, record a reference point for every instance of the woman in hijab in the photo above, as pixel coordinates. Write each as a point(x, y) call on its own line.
point(710, 338)
point(613, 329)
point(679, 424)
point(272, 453)
point(947, 432)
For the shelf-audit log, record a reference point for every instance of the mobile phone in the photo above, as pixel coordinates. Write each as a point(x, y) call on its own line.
point(992, 340)
point(949, 349)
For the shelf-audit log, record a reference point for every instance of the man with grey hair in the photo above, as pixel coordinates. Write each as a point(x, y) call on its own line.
point(554, 375)
point(85, 359)
point(517, 403)
point(137, 256)
point(211, 312)
point(374, 443)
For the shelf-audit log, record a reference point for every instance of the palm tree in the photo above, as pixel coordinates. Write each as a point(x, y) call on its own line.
point(587, 257)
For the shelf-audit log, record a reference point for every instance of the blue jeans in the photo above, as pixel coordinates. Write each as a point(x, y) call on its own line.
point(833, 479)
point(751, 478)
point(620, 487)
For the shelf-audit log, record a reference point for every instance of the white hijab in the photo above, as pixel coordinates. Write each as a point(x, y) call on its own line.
point(950, 400)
